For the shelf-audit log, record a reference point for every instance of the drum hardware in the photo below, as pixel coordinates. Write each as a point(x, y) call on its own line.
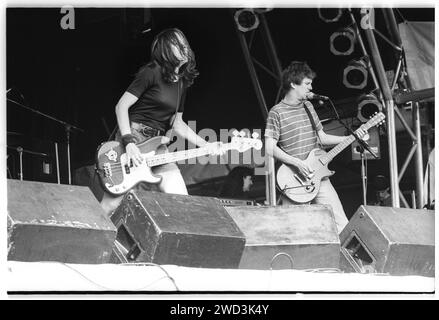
point(20, 151)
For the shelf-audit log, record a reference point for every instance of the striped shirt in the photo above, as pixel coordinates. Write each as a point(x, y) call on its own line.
point(290, 126)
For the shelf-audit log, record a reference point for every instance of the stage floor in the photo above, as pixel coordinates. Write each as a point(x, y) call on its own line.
point(62, 277)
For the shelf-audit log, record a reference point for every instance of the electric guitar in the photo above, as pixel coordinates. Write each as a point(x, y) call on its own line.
point(301, 190)
point(117, 176)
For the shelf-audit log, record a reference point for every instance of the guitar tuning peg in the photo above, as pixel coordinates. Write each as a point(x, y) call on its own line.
point(255, 135)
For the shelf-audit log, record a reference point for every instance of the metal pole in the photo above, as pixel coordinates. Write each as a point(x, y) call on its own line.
point(272, 52)
point(363, 49)
point(363, 177)
point(275, 63)
point(389, 105)
point(393, 29)
point(68, 154)
point(20, 154)
point(418, 156)
point(270, 176)
point(392, 26)
point(270, 181)
point(398, 69)
point(57, 164)
point(253, 74)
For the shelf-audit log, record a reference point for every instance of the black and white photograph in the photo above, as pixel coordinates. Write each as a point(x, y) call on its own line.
point(173, 150)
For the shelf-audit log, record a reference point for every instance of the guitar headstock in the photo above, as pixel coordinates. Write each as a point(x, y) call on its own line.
point(242, 143)
point(376, 120)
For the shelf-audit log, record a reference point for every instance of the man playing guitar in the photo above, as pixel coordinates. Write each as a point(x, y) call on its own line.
point(290, 135)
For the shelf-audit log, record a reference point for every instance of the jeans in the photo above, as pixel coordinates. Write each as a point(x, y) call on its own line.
point(172, 180)
point(328, 196)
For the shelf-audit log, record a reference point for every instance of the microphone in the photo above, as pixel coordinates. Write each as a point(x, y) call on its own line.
point(313, 96)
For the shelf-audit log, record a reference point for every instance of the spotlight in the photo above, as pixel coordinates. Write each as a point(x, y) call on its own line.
point(342, 42)
point(246, 19)
point(262, 10)
point(368, 106)
point(355, 74)
point(329, 14)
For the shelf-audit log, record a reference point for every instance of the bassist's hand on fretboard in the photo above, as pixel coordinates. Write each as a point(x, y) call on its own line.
point(133, 154)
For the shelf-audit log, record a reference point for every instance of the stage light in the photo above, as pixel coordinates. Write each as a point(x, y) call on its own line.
point(330, 14)
point(368, 106)
point(246, 19)
point(355, 74)
point(262, 10)
point(342, 42)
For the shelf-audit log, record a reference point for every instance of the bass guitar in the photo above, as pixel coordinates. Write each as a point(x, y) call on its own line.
point(301, 190)
point(117, 176)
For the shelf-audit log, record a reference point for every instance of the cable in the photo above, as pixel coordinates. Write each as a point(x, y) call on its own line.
point(154, 265)
point(78, 272)
point(123, 264)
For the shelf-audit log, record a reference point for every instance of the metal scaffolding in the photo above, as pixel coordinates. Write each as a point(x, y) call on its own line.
point(275, 70)
point(386, 93)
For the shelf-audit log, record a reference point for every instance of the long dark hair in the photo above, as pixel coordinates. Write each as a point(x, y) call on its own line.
point(162, 54)
point(232, 187)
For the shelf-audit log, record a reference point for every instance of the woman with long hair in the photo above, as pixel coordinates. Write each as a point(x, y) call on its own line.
point(154, 103)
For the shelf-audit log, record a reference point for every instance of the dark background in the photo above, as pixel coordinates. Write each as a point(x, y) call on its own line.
point(77, 76)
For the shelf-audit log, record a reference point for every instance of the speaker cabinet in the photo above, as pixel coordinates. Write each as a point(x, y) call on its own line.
point(176, 229)
point(389, 240)
point(54, 222)
point(285, 237)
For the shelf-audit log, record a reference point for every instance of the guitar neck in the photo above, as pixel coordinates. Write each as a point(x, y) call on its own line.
point(180, 155)
point(337, 149)
point(342, 145)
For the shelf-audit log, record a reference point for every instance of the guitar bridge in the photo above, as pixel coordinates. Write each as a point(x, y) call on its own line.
point(107, 170)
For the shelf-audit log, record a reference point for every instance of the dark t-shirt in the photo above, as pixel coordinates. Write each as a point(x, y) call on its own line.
point(157, 99)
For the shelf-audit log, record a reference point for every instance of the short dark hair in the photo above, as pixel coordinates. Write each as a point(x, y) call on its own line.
point(233, 184)
point(295, 73)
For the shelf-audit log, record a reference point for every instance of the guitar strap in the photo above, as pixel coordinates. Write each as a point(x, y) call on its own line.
point(171, 128)
point(311, 119)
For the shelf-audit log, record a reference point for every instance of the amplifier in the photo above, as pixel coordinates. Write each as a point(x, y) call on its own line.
point(55, 222)
point(236, 202)
point(176, 229)
point(390, 240)
point(288, 237)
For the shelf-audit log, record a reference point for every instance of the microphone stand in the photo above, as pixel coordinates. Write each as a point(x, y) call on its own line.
point(362, 146)
point(68, 128)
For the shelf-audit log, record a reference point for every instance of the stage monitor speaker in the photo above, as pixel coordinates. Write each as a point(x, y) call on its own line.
point(396, 241)
point(288, 237)
point(54, 222)
point(87, 176)
point(176, 229)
